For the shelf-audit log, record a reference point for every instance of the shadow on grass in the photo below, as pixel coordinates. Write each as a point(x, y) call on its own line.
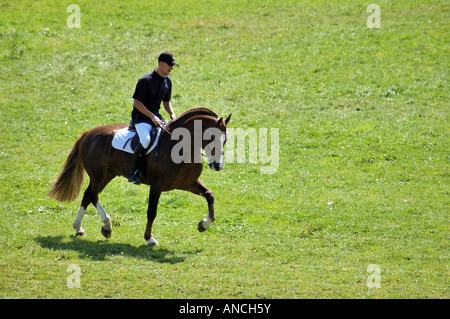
point(102, 249)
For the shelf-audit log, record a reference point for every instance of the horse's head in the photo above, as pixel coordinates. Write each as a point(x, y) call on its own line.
point(199, 127)
point(215, 149)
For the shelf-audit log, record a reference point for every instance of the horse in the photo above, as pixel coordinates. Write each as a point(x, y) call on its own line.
point(93, 153)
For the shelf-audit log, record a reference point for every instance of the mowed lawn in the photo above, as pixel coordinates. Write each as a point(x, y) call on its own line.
point(356, 208)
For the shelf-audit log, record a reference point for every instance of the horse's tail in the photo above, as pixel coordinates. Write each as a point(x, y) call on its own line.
point(67, 186)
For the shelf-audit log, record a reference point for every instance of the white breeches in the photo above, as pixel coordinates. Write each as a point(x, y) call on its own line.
point(143, 131)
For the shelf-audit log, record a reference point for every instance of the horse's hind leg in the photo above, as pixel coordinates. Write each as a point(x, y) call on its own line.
point(79, 231)
point(91, 196)
point(106, 219)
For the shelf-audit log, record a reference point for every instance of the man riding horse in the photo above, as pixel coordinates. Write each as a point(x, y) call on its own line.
point(150, 91)
point(94, 153)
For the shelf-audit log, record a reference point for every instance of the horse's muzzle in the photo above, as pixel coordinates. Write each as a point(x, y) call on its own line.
point(216, 166)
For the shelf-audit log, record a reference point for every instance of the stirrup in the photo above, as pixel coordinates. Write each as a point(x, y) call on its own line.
point(135, 177)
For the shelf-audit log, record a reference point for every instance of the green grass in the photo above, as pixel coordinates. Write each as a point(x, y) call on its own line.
point(364, 164)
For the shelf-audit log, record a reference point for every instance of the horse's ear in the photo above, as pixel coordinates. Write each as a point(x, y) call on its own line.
point(227, 119)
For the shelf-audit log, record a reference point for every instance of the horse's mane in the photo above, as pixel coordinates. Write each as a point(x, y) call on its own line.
point(199, 111)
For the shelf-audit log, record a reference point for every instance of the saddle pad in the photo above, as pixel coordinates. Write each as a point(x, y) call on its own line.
point(122, 140)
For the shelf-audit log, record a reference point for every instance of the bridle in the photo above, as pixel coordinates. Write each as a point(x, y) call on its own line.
point(223, 138)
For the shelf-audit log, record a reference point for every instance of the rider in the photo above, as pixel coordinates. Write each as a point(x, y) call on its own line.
point(150, 91)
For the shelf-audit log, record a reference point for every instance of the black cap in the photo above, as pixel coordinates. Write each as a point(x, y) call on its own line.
point(168, 58)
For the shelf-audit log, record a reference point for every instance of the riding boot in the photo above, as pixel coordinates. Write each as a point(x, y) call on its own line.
point(135, 176)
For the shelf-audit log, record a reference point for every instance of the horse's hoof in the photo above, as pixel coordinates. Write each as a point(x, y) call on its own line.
point(152, 242)
point(81, 234)
point(200, 227)
point(106, 233)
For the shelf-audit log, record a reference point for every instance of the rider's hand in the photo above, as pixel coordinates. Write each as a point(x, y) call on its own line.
point(157, 121)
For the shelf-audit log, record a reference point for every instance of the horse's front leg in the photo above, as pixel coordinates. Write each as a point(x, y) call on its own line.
point(153, 199)
point(199, 189)
point(205, 223)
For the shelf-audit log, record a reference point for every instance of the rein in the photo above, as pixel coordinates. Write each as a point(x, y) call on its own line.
point(164, 129)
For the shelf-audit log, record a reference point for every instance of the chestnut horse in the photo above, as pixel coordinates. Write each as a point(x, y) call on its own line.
point(94, 154)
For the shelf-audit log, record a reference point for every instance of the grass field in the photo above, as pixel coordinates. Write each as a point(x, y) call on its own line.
point(363, 174)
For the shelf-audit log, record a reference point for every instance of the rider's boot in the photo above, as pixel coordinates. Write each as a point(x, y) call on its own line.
point(135, 176)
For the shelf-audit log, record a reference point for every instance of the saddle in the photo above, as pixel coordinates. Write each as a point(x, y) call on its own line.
point(127, 139)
